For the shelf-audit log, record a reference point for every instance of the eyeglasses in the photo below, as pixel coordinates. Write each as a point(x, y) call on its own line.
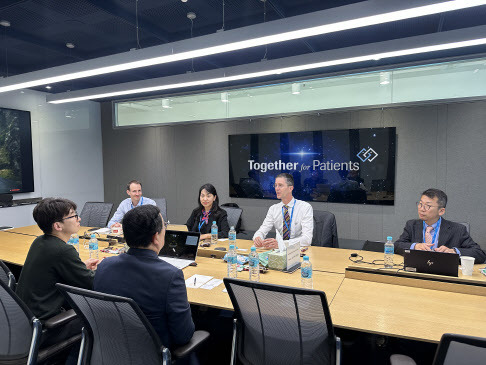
point(421, 205)
point(72, 216)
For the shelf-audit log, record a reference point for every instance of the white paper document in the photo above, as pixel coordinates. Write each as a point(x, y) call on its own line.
point(196, 281)
point(211, 284)
point(102, 231)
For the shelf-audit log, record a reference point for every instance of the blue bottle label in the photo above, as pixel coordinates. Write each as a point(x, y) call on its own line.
point(232, 259)
point(232, 236)
point(306, 272)
point(389, 250)
point(214, 231)
point(93, 245)
point(253, 261)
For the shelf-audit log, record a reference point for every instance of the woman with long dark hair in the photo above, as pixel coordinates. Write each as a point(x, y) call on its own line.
point(207, 212)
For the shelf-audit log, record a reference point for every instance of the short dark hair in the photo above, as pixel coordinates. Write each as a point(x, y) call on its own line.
point(133, 182)
point(51, 210)
point(436, 193)
point(140, 224)
point(211, 190)
point(288, 178)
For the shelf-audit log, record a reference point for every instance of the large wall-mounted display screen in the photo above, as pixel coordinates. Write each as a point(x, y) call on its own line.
point(16, 173)
point(340, 166)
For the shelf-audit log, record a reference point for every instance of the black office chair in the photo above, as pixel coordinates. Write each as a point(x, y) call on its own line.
point(281, 325)
point(234, 217)
point(6, 276)
point(162, 205)
point(95, 214)
point(117, 332)
point(453, 349)
point(374, 246)
point(459, 349)
point(21, 331)
point(325, 230)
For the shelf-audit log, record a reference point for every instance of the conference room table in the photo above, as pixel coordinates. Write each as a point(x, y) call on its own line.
point(362, 296)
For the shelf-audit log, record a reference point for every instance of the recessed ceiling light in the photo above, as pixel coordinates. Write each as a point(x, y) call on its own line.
point(4, 23)
point(191, 15)
point(184, 1)
point(70, 45)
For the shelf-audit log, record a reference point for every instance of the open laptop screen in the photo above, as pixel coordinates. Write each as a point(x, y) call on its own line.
point(180, 245)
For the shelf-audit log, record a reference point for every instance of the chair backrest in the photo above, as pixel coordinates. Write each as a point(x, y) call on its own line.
point(325, 230)
point(459, 349)
point(465, 224)
point(281, 325)
point(162, 204)
point(6, 276)
point(16, 326)
point(374, 246)
point(118, 331)
point(234, 217)
point(95, 214)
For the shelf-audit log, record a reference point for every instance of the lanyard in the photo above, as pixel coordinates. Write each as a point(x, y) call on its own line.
point(141, 203)
point(436, 230)
point(201, 222)
point(291, 216)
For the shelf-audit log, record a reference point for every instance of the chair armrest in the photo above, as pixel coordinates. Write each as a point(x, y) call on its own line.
point(197, 339)
point(60, 319)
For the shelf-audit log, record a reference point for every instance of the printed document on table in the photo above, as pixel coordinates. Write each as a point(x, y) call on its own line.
point(211, 284)
point(196, 281)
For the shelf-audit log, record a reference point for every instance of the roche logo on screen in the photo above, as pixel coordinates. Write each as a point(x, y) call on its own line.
point(367, 154)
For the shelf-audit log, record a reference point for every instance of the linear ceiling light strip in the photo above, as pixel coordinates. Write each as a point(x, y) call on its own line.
point(277, 71)
point(430, 9)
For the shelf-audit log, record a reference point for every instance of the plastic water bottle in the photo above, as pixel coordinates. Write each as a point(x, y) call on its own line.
point(214, 233)
point(76, 243)
point(93, 247)
point(389, 251)
point(232, 236)
point(306, 273)
point(232, 260)
point(254, 263)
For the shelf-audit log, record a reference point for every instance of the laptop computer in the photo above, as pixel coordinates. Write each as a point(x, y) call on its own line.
point(180, 248)
point(431, 262)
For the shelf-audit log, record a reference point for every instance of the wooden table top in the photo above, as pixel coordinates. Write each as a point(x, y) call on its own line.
point(407, 312)
point(327, 282)
point(366, 303)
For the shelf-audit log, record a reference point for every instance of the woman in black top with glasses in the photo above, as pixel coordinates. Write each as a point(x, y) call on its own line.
point(202, 217)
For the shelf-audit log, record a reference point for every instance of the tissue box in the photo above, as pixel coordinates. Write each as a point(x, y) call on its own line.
point(277, 260)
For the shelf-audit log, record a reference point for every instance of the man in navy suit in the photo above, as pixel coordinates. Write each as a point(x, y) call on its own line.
point(433, 233)
point(156, 286)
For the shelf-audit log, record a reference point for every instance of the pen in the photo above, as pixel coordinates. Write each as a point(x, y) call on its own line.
point(195, 281)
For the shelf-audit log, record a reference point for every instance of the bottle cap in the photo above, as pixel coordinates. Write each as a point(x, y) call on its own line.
point(93, 235)
point(232, 247)
point(253, 248)
point(214, 222)
point(232, 228)
point(306, 258)
point(389, 238)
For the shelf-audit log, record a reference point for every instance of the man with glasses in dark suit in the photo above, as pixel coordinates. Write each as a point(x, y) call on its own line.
point(433, 233)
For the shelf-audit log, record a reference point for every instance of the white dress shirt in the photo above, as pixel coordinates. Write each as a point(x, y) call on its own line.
point(302, 221)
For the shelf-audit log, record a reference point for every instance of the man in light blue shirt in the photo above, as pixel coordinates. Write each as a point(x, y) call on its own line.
point(134, 191)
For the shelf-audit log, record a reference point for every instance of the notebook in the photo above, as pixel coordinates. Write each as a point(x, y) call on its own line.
point(431, 262)
point(180, 248)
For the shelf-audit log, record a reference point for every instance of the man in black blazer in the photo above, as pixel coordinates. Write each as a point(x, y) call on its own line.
point(433, 233)
point(156, 286)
